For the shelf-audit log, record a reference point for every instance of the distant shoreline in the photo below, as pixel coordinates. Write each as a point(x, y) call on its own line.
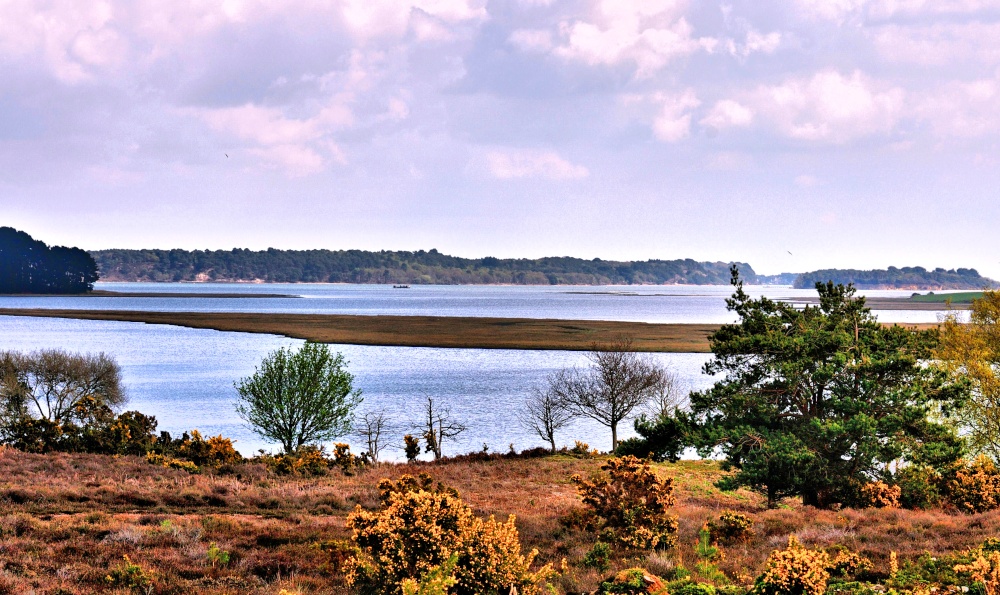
point(421, 331)
point(152, 294)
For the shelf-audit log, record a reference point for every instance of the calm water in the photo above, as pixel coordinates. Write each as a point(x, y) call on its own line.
point(185, 376)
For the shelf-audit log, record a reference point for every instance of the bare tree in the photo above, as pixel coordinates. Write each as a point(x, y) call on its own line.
point(668, 396)
point(438, 426)
point(51, 383)
point(546, 411)
point(373, 427)
point(618, 381)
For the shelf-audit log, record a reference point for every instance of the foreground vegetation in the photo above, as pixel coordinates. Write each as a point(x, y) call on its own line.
point(67, 521)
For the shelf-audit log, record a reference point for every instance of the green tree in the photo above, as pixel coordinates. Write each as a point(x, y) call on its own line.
point(299, 397)
point(971, 351)
point(818, 401)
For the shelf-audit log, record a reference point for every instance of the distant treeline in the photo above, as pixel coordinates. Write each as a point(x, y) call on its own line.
point(420, 267)
point(30, 266)
point(898, 278)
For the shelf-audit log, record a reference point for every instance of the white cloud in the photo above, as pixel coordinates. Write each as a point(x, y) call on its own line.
point(531, 40)
point(648, 33)
point(755, 42)
point(673, 123)
point(962, 109)
point(834, 10)
point(830, 107)
point(526, 163)
point(728, 114)
point(972, 44)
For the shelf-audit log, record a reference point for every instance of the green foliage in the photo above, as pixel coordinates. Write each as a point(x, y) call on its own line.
point(731, 528)
point(815, 402)
point(631, 504)
point(217, 556)
point(918, 485)
point(693, 588)
point(663, 437)
point(435, 581)
point(411, 448)
point(308, 461)
point(598, 557)
point(360, 266)
point(130, 576)
point(896, 277)
point(299, 397)
point(975, 486)
point(634, 581)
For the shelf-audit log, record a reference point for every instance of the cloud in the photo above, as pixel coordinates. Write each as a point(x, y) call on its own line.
point(673, 123)
point(972, 44)
point(728, 114)
point(526, 163)
point(962, 109)
point(531, 40)
point(830, 107)
point(648, 33)
point(755, 42)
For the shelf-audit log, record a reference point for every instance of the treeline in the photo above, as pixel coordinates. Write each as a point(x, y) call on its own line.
point(420, 267)
point(28, 265)
point(898, 278)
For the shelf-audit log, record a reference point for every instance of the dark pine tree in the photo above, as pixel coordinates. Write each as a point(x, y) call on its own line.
point(30, 266)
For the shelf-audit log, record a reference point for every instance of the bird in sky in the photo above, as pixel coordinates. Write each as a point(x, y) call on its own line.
point(789, 253)
point(227, 155)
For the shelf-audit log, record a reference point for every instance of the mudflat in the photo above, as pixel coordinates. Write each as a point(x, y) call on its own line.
point(420, 331)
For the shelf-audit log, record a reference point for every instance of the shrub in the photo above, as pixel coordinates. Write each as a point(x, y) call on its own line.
point(878, 494)
point(435, 581)
point(918, 485)
point(216, 555)
point(343, 458)
point(411, 448)
point(845, 564)
point(582, 449)
point(419, 527)
point(975, 486)
point(171, 463)
point(692, 588)
point(214, 452)
point(631, 504)
point(599, 557)
point(794, 571)
point(634, 581)
point(308, 460)
point(129, 576)
point(984, 570)
point(731, 528)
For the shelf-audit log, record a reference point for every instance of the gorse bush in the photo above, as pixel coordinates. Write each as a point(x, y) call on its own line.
point(130, 576)
point(307, 460)
point(419, 527)
point(878, 494)
point(847, 565)
point(975, 486)
point(794, 571)
point(731, 528)
point(984, 570)
point(631, 504)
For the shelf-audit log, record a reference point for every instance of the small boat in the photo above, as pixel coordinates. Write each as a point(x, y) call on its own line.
point(400, 286)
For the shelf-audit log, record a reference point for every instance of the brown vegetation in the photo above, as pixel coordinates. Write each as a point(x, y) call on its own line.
point(67, 521)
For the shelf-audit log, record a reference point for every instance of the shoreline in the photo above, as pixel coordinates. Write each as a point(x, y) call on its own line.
point(151, 294)
point(421, 331)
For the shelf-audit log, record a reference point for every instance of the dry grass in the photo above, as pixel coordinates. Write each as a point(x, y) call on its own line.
point(418, 331)
point(67, 520)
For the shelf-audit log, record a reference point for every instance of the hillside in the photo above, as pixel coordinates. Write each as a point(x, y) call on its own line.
point(421, 267)
point(898, 278)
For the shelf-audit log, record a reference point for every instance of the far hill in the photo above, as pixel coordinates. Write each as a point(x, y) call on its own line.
point(898, 278)
point(420, 267)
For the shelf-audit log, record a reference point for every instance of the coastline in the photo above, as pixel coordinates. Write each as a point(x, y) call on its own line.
point(421, 331)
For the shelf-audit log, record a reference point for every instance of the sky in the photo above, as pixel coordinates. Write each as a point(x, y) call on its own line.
point(792, 135)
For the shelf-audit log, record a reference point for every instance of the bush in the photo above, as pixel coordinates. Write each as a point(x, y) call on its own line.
point(731, 528)
point(214, 452)
point(984, 571)
point(599, 557)
point(634, 581)
point(975, 486)
point(848, 565)
point(411, 448)
point(308, 460)
point(794, 571)
point(130, 576)
point(419, 527)
point(918, 485)
point(878, 494)
point(631, 504)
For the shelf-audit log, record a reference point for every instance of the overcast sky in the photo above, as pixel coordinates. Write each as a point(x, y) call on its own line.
point(859, 133)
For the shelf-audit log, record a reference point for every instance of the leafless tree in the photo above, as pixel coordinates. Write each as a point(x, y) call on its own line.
point(373, 428)
point(618, 381)
point(51, 383)
point(438, 426)
point(668, 396)
point(546, 411)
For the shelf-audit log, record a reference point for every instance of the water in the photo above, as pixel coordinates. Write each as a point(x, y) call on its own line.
point(185, 376)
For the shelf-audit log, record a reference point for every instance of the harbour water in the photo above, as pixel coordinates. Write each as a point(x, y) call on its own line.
point(185, 376)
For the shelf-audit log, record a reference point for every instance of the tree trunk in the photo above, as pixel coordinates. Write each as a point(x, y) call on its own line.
point(552, 441)
point(614, 437)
